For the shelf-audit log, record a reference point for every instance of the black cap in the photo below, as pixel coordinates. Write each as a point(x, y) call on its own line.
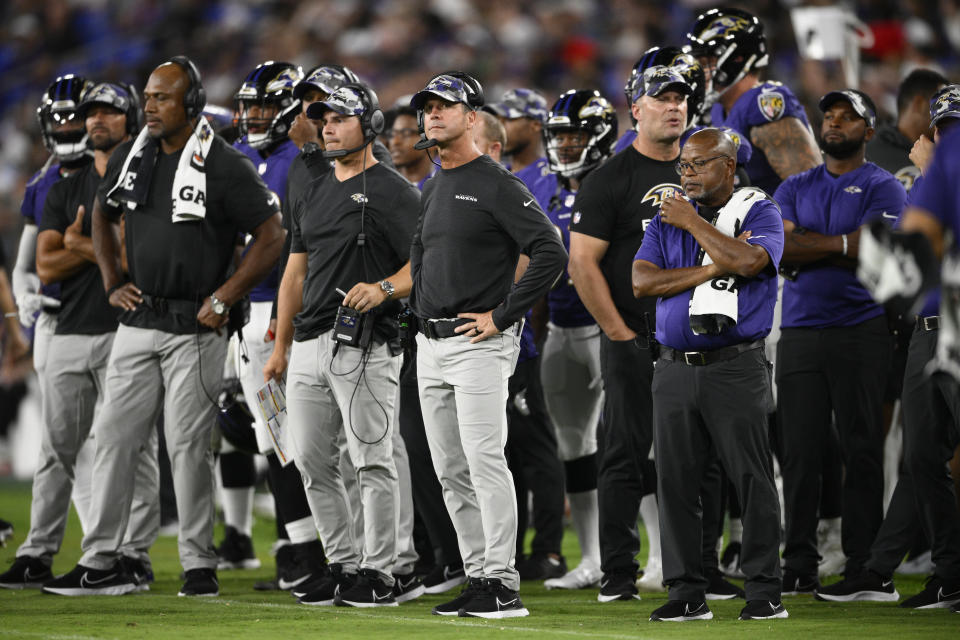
point(860, 102)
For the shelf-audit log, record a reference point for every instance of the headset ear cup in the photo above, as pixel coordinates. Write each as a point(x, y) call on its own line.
point(377, 122)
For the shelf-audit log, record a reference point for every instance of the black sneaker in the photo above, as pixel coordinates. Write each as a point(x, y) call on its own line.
point(236, 551)
point(866, 586)
point(138, 571)
point(935, 595)
point(443, 578)
point(296, 563)
point(617, 586)
point(326, 590)
point(730, 561)
point(6, 532)
point(542, 566)
point(682, 611)
point(369, 590)
point(200, 582)
point(313, 581)
point(408, 587)
point(719, 589)
point(26, 572)
point(84, 581)
point(795, 583)
point(494, 601)
point(472, 589)
point(955, 608)
point(763, 610)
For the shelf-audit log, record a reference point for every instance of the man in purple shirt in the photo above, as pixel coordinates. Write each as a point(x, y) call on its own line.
point(834, 352)
point(711, 386)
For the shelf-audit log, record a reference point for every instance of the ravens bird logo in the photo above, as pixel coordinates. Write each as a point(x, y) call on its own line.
point(656, 195)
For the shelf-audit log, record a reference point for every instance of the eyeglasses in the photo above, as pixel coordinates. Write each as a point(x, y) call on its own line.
point(403, 133)
point(696, 165)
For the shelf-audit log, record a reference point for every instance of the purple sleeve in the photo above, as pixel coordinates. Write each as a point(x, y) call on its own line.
point(938, 191)
point(888, 200)
point(769, 104)
point(651, 250)
point(766, 228)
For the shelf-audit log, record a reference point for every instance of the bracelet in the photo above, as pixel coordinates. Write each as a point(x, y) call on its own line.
point(11, 314)
point(844, 236)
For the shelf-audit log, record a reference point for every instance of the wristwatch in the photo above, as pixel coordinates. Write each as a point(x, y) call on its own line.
point(219, 306)
point(387, 288)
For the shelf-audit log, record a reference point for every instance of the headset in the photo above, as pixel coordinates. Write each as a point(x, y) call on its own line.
point(475, 100)
point(372, 121)
point(195, 97)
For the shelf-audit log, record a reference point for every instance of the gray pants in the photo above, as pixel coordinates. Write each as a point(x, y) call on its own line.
point(349, 398)
point(723, 405)
point(573, 388)
point(148, 368)
point(72, 388)
point(463, 396)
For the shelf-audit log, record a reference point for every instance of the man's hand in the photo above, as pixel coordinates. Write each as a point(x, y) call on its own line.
point(17, 344)
point(208, 318)
point(271, 333)
point(622, 336)
point(73, 235)
point(126, 297)
point(303, 131)
point(30, 300)
point(363, 297)
point(481, 328)
point(276, 366)
point(678, 212)
point(922, 153)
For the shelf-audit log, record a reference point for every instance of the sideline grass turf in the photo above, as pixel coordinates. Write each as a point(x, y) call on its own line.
point(241, 612)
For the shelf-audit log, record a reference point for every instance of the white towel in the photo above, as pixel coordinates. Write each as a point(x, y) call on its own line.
point(947, 358)
point(189, 185)
point(714, 303)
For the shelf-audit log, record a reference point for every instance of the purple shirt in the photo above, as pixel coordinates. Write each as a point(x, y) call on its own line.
point(670, 248)
point(938, 193)
point(625, 140)
point(767, 102)
point(825, 295)
point(34, 196)
point(532, 175)
point(566, 309)
point(273, 170)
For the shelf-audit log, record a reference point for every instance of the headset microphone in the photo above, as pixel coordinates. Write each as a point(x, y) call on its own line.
point(339, 153)
point(425, 143)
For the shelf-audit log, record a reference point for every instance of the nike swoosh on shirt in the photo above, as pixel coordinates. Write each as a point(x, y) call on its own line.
point(887, 215)
point(527, 203)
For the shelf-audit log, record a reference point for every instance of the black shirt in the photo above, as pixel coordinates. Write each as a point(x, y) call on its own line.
point(325, 223)
point(890, 149)
point(187, 261)
point(616, 203)
point(476, 220)
point(84, 308)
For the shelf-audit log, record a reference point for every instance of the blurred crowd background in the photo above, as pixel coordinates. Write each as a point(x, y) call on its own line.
point(396, 45)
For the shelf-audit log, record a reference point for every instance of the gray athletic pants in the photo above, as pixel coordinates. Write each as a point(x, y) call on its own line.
point(72, 389)
point(573, 387)
point(335, 393)
point(183, 372)
point(723, 405)
point(463, 396)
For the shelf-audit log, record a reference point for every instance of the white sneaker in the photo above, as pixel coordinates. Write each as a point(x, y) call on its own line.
point(919, 566)
point(832, 559)
point(652, 579)
point(585, 575)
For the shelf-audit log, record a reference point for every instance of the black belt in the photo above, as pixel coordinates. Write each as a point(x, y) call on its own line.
point(929, 323)
point(700, 358)
point(440, 329)
point(170, 305)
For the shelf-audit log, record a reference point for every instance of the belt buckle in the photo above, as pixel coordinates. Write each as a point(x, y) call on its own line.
point(930, 323)
point(698, 358)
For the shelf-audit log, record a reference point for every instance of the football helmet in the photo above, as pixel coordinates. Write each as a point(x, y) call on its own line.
point(269, 86)
point(683, 63)
point(57, 110)
point(735, 38)
point(585, 111)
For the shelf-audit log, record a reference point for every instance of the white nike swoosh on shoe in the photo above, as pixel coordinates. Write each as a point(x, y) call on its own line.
point(87, 583)
point(886, 584)
point(506, 604)
point(27, 577)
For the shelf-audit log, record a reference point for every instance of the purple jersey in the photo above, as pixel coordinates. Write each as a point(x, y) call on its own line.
point(938, 193)
point(825, 295)
point(767, 102)
point(531, 176)
point(625, 140)
point(671, 248)
point(34, 196)
point(566, 309)
point(931, 306)
point(273, 170)
point(433, 171)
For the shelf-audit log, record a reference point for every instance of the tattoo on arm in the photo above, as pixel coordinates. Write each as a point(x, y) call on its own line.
point(789, 146)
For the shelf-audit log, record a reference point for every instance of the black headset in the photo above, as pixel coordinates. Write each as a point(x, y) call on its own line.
point(195, 97)
point(372, 121)
point(134, 111)
point(474, 100)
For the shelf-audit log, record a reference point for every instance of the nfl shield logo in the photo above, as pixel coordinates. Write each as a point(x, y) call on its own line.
point(771, 105)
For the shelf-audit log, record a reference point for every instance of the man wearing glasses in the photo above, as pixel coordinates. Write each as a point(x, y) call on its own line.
point(413, 164)
point(713, 265)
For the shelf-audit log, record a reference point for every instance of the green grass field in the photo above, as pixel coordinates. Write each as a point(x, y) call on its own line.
point(241, 612)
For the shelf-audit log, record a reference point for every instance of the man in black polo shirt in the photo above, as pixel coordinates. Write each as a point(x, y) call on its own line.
point(77, 362)
point(181, 226)
point(717, 288)
point(351, 240)
point(612, 210)
point(476, 220)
